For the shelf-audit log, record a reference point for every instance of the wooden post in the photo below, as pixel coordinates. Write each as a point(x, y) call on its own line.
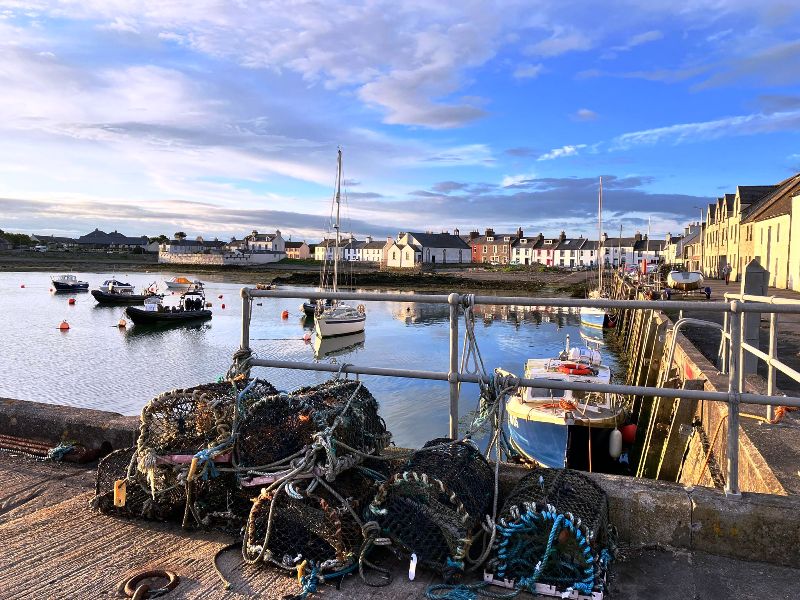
point(680, 431)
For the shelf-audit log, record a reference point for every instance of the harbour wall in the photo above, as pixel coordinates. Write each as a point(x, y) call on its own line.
point(231, 259)
point(645, 512)
point(682, 440)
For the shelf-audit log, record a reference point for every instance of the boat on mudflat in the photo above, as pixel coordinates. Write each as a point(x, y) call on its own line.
point(191, 308)
point(69, 283)
point(568, 428)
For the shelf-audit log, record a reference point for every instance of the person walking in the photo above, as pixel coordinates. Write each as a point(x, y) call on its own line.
point(726, 270)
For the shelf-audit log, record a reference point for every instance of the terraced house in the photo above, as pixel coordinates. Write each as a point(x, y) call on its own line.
point(494, 247)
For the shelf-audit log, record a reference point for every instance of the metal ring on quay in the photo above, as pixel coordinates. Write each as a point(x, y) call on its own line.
point(131, 587)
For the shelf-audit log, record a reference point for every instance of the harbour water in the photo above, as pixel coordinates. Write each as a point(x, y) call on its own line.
point(99, 365)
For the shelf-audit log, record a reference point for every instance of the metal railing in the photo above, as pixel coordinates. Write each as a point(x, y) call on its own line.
point(774, 364)
point(733, 397)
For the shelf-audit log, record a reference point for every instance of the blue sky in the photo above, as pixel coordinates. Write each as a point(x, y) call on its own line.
point(216, 118)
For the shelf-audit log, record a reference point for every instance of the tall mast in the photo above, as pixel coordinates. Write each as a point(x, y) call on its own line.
point(336, 226)
point(600, 265)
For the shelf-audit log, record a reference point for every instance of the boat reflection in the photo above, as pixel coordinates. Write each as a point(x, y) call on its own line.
point(338, 345)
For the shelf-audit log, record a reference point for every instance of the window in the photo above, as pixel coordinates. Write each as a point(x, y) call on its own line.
point(489, 238)
point(394, 255)
point(777, 233)
point(485, 249)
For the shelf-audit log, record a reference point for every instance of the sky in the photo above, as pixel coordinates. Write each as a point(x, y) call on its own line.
point(218, 117)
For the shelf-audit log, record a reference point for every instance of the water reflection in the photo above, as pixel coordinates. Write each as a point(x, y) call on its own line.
point(339, 345)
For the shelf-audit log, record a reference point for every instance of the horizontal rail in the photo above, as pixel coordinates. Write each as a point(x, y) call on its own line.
point(782, 367)
point(526, 301)
point(762, 299)
point(632, 390)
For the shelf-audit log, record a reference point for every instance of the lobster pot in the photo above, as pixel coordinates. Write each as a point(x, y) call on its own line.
point(175, 426)
point(306, 521)
point(435, 505)
point(280, 427)
point(553, 534)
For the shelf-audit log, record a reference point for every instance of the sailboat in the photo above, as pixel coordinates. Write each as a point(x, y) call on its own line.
point(338, 318)
point(597, 317)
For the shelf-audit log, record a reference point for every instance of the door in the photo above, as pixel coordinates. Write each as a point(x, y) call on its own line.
point(769, 253)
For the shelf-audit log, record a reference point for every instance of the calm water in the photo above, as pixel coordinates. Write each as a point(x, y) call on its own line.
point(98, 365)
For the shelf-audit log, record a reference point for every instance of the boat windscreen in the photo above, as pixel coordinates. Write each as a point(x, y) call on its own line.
point(541, 392)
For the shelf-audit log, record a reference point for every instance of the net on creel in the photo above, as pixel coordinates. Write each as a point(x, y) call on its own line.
point(435, 505)
point(185, 439)
point(318, 426)
point(309, 520)
point(553, 529)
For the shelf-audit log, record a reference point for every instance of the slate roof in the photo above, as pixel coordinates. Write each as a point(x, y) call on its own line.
point(750, 194)
point(101, 238)
point(374, 245)
point(52, 239)
point(642, 245)
point(530, 242)
point(439, 240)
point(496, 238)
point(571, 244)
point(590, 245)
point(776, 203)
point(293, 244)
point(191, 243)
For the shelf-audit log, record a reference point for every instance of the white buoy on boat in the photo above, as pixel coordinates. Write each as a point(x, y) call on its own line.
point(615, 443)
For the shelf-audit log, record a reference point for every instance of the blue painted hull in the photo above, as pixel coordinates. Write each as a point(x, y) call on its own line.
point(545, 443)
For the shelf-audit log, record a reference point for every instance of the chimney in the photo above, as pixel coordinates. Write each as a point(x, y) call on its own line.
point(563, 236)
point(519, 232)
point(455, 232)
point(604, 237)
point(638, 237)
point(473, 234)
point(489, 232)
point(540, 237)
point(369, 239)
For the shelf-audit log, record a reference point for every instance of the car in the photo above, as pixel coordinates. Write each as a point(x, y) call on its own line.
point(40, 248)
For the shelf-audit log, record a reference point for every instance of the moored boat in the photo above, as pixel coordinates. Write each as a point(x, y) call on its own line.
point(190, 308)
point(111, 285)
point(182, 283)
point(567, 428)
point(69, 283)
point(594, 317)
point(125, 296)
point(338, 318)
point(333, 346)
point(685, 280)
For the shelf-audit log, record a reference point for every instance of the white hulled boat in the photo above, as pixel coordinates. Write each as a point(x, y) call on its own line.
point(338, 318)
point(685, 280)
point(182, 284)
point(563, 428)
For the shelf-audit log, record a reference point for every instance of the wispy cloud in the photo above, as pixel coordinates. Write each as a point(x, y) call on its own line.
point(708, 130)
point(564, 151)
point(528, 71)
point(584, 114)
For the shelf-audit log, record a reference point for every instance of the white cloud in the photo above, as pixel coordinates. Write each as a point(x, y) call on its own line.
point(561, 41)
point(639, 39)
point(564, 151)
point(528, 71)
point(585, 114)
point(510, 180)
point(120, 25)
point(708, 130)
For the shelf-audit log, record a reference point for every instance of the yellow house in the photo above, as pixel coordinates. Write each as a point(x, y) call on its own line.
point(746, 196)
point(794, 249)
point(768, 226)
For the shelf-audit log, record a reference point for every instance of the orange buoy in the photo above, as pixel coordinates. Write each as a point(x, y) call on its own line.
point(208, 304)
point(71, 301)
point(285, 314)
point(122, 323)
point(223, 306)
point(64, 325)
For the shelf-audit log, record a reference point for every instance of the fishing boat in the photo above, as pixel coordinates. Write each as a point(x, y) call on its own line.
point(190, 308)
point(182, 283)
point(124, 295)
point(567, 428)
point(338, 318)
point(115, 285)
point(69, 283)
point(685, 280)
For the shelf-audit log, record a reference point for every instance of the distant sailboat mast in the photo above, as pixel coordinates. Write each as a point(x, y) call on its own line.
point(336, 225)
point(600, 265)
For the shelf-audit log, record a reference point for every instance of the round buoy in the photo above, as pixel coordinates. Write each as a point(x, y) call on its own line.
point(628, 433)
point(223, 306)
point(208, 304)
point(122, 323)
point(64, 325)
point(307, 337)
point(220, 296)
point(285, 314)
point(71, 301)
point(615, 444)
point(22, 285)
point(51, 289)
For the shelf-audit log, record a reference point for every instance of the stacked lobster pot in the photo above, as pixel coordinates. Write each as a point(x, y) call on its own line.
point(181, 467)
point(553, 536)
point(307, 454)
point(435, 506)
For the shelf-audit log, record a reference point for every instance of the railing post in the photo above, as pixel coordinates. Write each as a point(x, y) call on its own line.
point(246, 300)
point(724, 344)
point(773, 350)
point(734, 373)
point(453, 300)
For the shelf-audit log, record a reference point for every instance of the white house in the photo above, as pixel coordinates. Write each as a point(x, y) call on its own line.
point(349, 249)
point(265, 242)
point(523, 250)
point(372, 251)
point(184, 246)
point(403, 255)
point(587, 255)
point(438, 247)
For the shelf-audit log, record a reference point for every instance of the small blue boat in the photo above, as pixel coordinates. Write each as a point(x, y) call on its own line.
point(69, 283)
point(567, 428)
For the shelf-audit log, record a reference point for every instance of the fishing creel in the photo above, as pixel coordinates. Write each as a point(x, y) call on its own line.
point(435, 505)
point(310, 521)
point(329, 427)
point(553, 531)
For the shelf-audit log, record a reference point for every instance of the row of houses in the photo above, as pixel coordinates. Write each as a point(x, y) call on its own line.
point(757, 223)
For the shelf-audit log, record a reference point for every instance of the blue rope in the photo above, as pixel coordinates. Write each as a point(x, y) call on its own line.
point(465, 591)
point(58, 453)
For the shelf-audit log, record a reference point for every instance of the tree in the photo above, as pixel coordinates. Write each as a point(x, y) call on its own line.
point(17, 239)
point(161, 239)
point(180, 235)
